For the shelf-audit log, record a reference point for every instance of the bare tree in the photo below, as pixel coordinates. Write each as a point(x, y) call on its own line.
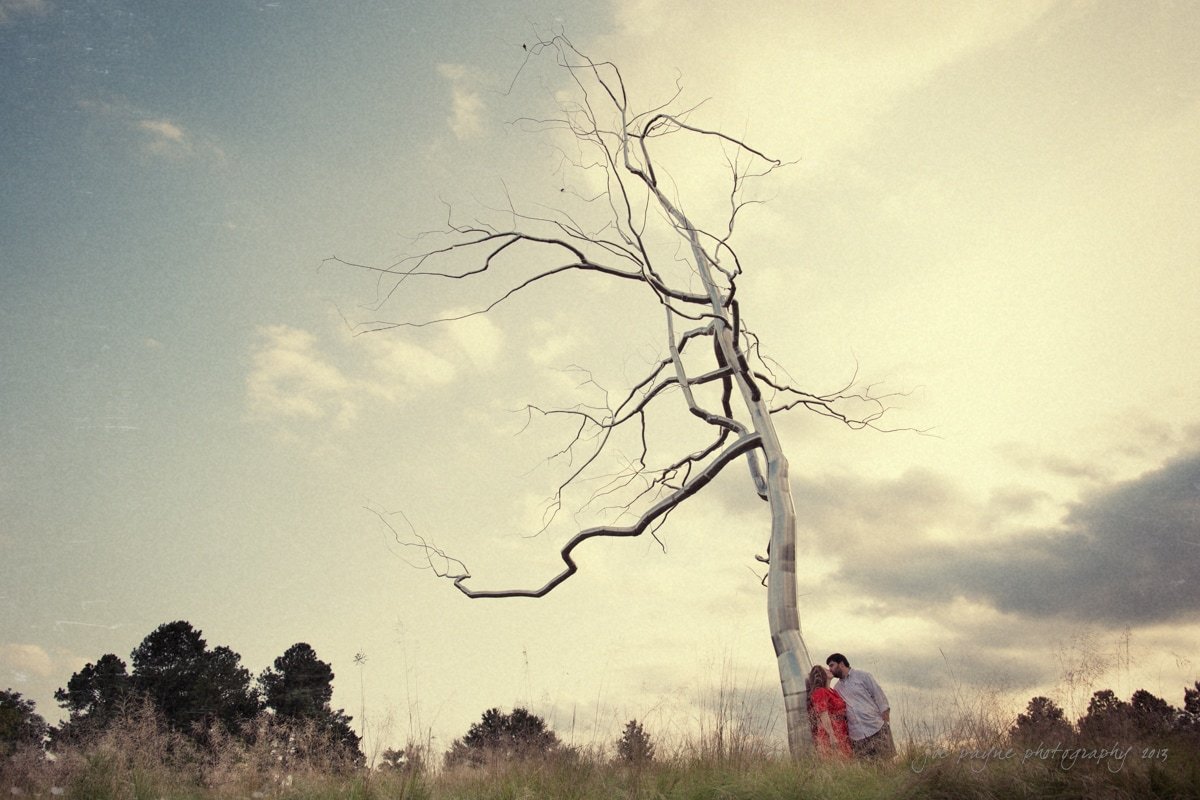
point(633, 228)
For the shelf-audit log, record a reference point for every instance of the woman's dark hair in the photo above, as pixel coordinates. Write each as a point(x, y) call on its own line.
point(817, 678)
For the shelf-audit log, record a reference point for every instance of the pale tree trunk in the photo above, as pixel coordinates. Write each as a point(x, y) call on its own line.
point(783, 613)
point(790, 651)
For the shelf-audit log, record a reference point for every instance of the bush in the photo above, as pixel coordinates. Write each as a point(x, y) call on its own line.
point(20, 725)
point(411, 760)
point(504, 737)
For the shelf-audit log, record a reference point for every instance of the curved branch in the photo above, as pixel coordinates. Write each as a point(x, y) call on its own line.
point(659, 509)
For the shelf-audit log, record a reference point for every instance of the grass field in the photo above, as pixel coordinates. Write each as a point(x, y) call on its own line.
point(138, 758)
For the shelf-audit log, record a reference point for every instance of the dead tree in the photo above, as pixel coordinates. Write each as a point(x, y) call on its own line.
point(711, 364)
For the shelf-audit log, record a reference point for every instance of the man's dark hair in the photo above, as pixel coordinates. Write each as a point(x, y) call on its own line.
point(839, 658)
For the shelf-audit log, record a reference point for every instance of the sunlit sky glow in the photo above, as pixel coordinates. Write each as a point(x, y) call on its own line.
point(992, 211)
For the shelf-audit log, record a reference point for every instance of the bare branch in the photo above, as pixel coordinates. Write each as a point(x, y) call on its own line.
point(659, 509)
point(635, 229)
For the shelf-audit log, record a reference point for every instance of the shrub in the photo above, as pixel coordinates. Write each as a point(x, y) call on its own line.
point(412, 759)
point(504, 737)
point(20, 725)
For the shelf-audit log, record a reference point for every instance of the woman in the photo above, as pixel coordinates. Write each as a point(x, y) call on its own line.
point(827, 715)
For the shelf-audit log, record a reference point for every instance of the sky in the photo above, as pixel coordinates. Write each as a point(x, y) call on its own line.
point(988, 210)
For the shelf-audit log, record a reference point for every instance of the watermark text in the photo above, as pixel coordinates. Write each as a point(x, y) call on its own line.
point(1062, 756)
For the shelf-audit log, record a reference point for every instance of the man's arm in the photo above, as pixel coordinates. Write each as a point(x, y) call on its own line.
point(881, 701)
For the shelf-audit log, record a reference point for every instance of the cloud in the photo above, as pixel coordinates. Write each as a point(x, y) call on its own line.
point(1027, 457)
point(11, 9)
point(395, 367)
point(26, 659)
point(478, 338)
point(834, 68)
point(1096, 457)
point(291, 379)
point(1128, 553)
point(169, 139)
point(155, 134)
point(467, 106)
point(165, 138)
point(163, 129)
point(298, 379)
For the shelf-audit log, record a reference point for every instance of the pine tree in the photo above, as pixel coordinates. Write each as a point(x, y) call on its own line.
point(634, 747)
point(503, 737)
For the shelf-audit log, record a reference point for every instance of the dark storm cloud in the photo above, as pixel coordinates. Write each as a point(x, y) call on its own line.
point(1128, 553)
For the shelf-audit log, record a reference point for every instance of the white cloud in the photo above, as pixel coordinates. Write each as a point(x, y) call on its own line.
point(297, 378)
point(163, 129)
point(397, 366)
point(478, 338)
point(467, 106)
point(26, 659)
point(292, 379)
point(551, 349)
point(169, 139)
point(155, 134)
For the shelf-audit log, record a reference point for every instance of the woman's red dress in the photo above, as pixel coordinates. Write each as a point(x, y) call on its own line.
point(827, 700)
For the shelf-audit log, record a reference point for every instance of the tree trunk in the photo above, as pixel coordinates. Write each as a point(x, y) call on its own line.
point(782, 610)
point(783, 614)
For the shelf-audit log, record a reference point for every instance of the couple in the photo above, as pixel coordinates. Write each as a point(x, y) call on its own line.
point(851, 719)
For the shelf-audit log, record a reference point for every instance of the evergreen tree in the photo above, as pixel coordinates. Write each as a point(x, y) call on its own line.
point(1188, 720)
point(94, 696)
point(192, 686)
point(503, 737)
point(634, 747)
point(1108, 717)
point(1152, 716)
point(1043, 721)
point(300, 685)
point(299, 689)
point(20, 724)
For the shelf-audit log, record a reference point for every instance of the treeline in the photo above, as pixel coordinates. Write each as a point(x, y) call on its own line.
point(203, 693)
point(1108, 718)
point(180, 687)
point(524, 736)
point(182, 720)
point(207, 696)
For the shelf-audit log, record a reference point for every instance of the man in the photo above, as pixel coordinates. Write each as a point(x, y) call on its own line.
point(867, 710)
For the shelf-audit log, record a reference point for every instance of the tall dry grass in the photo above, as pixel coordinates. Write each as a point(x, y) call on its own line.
point(736, 755)
point(139, 757)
